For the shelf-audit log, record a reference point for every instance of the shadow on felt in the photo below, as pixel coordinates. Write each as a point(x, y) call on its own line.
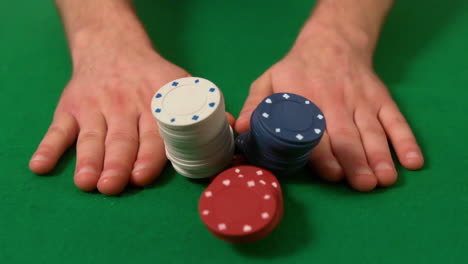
point(293, 234)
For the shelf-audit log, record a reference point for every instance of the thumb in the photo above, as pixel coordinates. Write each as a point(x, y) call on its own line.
point(259, 89)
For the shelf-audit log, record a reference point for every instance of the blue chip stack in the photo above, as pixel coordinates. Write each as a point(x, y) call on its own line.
point(284, 128)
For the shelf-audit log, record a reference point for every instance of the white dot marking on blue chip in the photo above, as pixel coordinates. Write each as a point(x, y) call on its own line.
point(277, 130)
point(319, 116)
point(317, 131)
point(299, 136)
point(265, 115)
point(268, 101)
point(307, 102)
point(286, 96)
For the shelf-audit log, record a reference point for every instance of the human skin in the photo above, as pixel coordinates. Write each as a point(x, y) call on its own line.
point(116, 70)
point(331, 64)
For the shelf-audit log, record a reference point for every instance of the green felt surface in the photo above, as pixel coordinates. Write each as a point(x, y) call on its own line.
point(422, 57)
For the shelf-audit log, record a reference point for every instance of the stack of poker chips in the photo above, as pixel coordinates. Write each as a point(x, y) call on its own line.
point(242, 204)
point(191, 117)
point(284, 128)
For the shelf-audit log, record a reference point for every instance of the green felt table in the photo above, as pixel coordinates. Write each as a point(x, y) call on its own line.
point(422, 56)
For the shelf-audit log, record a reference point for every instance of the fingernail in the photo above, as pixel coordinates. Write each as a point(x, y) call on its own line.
point(412, 155)
point(139, 167)
point(39, 157)
point(332, 164)
point(383, 166)
point(110, 173)
point(87, 169)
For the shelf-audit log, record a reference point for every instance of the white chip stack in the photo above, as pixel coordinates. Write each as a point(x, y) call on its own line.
point(191, 118)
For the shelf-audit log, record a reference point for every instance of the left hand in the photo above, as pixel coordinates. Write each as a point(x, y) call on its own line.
point(358, 107)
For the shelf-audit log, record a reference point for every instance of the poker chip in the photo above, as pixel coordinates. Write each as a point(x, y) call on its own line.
point(285, 127)
point(242, 204)
point(191, 118)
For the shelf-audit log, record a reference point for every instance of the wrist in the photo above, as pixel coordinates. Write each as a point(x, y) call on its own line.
point(345, 26)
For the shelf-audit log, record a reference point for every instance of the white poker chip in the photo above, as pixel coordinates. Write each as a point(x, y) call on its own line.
point(191, 117)
point(185, 101)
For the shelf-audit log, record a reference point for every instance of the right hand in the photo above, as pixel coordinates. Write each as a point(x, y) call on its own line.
point(106, 108)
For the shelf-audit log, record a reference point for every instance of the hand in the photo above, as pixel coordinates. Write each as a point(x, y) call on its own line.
point(106, 107)
point(359, 110)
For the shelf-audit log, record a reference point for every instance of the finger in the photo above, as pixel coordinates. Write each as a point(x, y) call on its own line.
point(401, 137)
point(61, 135)
point(347, 146)
point(325, 162)
point(90, 150)
point(260, 89)
point(121, 149)
point(231, 119)
point(376, 147)
point(151, 156)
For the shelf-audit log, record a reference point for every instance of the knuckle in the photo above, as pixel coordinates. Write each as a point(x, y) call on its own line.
point(46, 149)
point(86, 161)
point(56, 130)
point(396, 123)
point(149, 135)
point(122, 136)
point(345, 132)
point(90, 135)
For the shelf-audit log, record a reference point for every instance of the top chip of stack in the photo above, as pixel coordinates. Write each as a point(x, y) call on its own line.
point(285, 127)
point(192, 121)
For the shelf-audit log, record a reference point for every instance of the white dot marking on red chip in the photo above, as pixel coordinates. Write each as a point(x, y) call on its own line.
point(226, 182)
point(237, 170)
point(259, 172)
point(205, 212)
point(222, 226)
point(274, 184)
point(262, 182)
point(251, 183)
point(208, 194)
point(265, 215)
point(267, 197)
point(247, 228)
point(241, 176)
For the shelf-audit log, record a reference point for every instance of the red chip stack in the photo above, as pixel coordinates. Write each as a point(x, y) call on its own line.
point(243, 204)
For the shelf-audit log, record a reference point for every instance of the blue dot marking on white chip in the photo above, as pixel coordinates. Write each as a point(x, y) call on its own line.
point(172, 120)
point(212, 89)
point(197, 80)
point(158, 110)
point(175, 83)
point(158, 95)
point(195, 117)
point(212, 104)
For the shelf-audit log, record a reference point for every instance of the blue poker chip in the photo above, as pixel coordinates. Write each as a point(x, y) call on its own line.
point(291, 118)
point(284, 129)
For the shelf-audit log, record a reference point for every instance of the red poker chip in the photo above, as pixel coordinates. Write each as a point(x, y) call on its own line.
point(242, 204)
